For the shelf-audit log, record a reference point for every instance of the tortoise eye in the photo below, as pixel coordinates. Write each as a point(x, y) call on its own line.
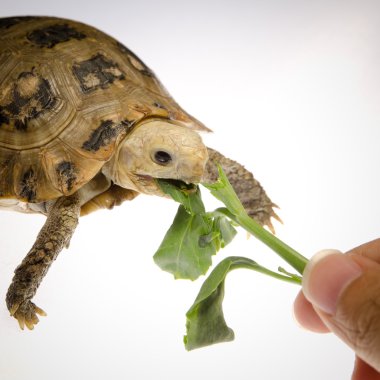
point(162, 158)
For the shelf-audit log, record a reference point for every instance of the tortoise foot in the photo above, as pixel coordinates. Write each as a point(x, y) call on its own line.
point(26, 314)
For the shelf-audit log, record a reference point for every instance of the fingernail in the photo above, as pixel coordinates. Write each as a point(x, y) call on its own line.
point(326, 276)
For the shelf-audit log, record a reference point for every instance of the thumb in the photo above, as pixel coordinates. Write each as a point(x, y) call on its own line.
point(345, 292)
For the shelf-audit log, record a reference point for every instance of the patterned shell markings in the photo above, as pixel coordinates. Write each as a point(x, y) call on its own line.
point(69, 94)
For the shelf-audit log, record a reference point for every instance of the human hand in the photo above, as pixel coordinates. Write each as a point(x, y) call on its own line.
point(341, 294)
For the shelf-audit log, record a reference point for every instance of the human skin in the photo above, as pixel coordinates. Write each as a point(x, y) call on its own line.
point(341, 294)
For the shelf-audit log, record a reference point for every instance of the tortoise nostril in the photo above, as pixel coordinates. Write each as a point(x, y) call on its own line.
point(162, 158)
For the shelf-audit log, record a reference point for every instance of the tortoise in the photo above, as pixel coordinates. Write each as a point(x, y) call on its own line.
point(86, 125)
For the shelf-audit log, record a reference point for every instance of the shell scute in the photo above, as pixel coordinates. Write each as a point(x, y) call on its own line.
point(52, 35)
point(97, 72)
point(66, 170)
point(104, 135)
point(7, 162)
point(67, 175)
point(135, 61)
point(25, 99)
point(28, 185)
point(28, 177)
point(8, 22)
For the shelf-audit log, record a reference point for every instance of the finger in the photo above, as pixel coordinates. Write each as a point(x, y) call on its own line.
point(363, 371)
point(370, 250)
point(345, 292)
point(326, 276)
point(306, 315)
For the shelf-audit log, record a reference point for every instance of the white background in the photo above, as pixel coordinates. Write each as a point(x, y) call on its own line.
point(291, 89)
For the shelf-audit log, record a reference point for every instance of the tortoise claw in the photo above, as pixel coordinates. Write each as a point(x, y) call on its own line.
point(270, 227)
point(274, 215)
point(26, 314)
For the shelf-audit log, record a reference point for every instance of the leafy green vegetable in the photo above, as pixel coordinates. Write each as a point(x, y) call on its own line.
point(224, 230)
point(190, 198)
point(185, 252)
point(195, 236)
point(205, 323)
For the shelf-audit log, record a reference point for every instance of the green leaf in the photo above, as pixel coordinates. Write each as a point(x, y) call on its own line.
point(226, 230)
point(190, 198)
point(205, 323)
point(193, 237)
point(183, 252)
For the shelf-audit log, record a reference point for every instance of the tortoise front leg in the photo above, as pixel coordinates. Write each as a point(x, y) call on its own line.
point(55, 234)
point(251, 194)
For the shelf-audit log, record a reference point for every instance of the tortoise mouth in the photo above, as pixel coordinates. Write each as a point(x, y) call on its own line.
point(180, 185)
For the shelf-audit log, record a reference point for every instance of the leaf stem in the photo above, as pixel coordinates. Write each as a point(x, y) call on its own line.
point(287, 253)
point(266, 271)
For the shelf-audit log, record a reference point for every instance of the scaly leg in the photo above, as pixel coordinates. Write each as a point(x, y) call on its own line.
point(248, 189)
point(55, 234)
point(114, 196)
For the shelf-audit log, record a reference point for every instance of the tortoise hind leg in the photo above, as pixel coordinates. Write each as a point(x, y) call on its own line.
point(55, 234)
point(248, 189)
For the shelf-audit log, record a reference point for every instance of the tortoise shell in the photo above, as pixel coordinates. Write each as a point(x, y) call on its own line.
point(69, 94)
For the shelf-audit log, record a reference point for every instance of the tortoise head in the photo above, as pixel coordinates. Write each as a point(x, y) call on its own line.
point(157, 149)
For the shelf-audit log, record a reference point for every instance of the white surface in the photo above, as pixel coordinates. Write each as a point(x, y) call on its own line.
point(291, 89)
